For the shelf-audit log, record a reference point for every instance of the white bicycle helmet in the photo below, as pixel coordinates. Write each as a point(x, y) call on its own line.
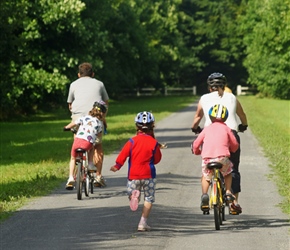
point(144, 120)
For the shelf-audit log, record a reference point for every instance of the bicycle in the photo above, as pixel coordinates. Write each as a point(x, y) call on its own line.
point(217, 195)
point(83, 176)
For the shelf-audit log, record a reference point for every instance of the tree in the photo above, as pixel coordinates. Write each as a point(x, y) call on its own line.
point(266, 26)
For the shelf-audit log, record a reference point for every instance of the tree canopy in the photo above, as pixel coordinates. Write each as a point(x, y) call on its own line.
point(137, 43)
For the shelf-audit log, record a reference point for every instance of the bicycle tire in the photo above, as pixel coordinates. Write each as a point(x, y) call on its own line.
point(223, 214)
point(92, 185)
point(87, 185)
point(220, 202)
point(79, 180)
point(216, 212)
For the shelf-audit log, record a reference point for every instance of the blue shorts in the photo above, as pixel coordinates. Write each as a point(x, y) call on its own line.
point(148, 186)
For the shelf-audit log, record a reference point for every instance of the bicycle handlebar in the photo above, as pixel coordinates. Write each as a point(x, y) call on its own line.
point(241, 128)
point(73, 129)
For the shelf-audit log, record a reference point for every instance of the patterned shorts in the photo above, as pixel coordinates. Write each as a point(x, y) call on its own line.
point(225, 170)
point(148, 186)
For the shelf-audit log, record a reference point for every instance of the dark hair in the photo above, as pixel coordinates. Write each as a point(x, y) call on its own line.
point(86, 69)
point(96, 113)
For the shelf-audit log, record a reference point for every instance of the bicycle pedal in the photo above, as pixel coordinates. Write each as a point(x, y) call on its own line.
point(69, 187)
point(234, 213)
point(204, 208)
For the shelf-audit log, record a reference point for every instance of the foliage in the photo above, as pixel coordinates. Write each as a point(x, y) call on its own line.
point(266, 26)
point(137, 43)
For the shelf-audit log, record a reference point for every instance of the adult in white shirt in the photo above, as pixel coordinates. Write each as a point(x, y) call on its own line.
point(216, 85)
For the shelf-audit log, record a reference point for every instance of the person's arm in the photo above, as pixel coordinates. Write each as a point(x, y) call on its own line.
point(196, 144)
point(157, 154)
point(241, 114)
point(70, 125)
point(197, 117)
point(233, 143)
point(123, 155)
point(69, 106)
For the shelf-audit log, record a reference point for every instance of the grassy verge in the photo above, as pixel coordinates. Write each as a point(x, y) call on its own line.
point(35, 152)
point(269, 120)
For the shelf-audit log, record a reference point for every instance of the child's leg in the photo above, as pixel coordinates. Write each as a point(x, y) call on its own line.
point(204, 185)
point(146, 211)
point(91, 159)
point(72, 166)
point(228, 183)
point(149, 197)
point(98, 158)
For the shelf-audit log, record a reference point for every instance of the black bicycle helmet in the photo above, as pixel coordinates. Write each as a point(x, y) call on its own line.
point(101, 106)
point(216, 79)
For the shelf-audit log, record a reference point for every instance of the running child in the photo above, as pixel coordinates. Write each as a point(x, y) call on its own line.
point(143, 152)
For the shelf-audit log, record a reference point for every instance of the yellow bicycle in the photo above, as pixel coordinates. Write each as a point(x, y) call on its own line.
point(217, 195)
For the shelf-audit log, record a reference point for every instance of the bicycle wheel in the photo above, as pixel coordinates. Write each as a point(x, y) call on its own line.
point(223, 213)
point(79, 180)
point(220, 201)
point(87, 185)
point(216, 211)
point(92, 185)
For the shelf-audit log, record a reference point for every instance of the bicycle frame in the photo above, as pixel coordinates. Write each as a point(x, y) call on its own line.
point(84, 176)
point(216, 196)
point(216, 201)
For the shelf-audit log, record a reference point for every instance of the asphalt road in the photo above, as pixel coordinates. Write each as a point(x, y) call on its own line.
point(104, 220)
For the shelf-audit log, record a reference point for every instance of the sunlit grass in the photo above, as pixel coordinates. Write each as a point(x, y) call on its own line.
point(35, 152)
point(269, 120)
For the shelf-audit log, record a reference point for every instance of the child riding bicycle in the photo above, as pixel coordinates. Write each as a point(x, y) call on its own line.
point(88, 133)
point(214, 143)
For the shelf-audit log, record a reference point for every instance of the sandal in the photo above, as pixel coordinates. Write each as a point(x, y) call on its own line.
point(229, 197)
point(235, 209)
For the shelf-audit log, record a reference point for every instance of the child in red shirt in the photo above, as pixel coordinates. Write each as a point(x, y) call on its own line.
point(217, 141)
point(143, 151)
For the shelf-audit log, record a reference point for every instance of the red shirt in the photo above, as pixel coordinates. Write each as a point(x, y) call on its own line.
point(143, 152)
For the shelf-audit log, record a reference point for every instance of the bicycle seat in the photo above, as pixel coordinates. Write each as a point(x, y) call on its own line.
point(80, 150)
point(213, 165)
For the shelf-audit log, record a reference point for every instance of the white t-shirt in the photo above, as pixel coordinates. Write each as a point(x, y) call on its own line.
point(84, 92)
point(89, 128)
point(228, 100)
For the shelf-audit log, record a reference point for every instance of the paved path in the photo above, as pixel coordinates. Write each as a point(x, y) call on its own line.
point(104, 221)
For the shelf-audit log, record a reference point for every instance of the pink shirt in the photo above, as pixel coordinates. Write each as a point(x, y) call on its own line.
point(216, 140)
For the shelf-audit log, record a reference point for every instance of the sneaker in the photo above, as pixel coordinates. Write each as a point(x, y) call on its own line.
point(99, 181)
point(235, 208)
point(134, 201)
point(70, 183)
point(204, 202)
point(143, 227)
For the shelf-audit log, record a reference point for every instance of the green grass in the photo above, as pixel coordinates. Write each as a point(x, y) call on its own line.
point(35, 151)
point(269, 120)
